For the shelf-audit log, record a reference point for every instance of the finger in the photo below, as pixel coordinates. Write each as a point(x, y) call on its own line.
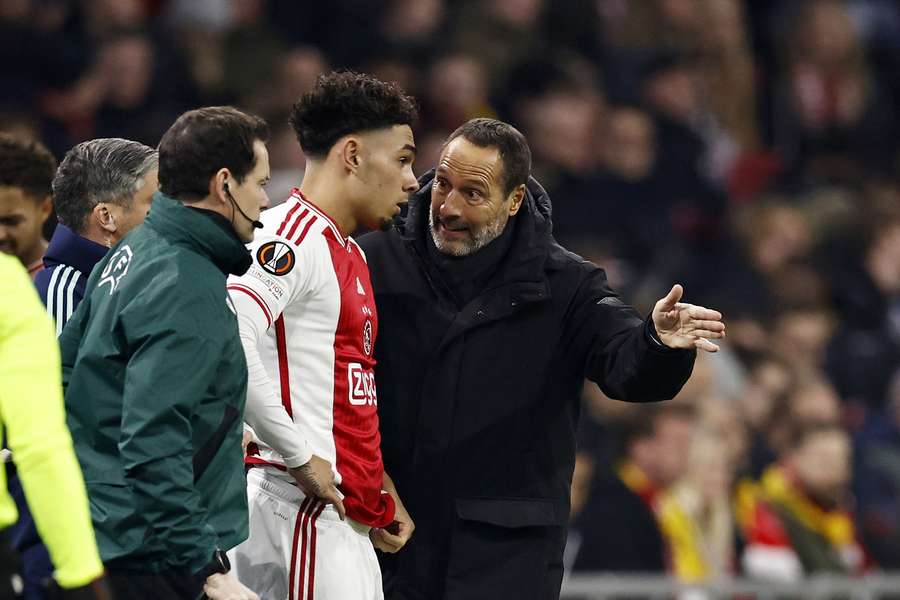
point(701, 312)
point(396, 541)
point(705, 333)
point(671, 299)
point(706, 345)
point(708, 325)
point(335, 498)
point(380, 541)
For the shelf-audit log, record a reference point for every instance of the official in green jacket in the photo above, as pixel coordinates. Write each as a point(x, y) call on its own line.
point(154, 371)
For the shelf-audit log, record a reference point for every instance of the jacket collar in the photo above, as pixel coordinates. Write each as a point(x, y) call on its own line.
point(192, 228)
point(531, 243)
point(68, 248)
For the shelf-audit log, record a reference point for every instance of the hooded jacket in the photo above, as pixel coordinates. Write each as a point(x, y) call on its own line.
point(479, 404)
point(155, 381)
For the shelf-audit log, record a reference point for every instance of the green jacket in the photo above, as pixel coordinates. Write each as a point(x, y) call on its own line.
point(155, 382)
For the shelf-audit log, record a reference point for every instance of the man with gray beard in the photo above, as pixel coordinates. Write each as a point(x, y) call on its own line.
point(488, 329)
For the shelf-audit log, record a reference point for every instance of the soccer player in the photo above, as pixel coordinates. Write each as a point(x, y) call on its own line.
point(308, 324)
point(26, 170)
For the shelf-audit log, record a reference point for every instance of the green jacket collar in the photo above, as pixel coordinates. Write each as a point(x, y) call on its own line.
point(175, 222)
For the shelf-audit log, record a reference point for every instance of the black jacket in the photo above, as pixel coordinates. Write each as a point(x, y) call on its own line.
point(479, 404)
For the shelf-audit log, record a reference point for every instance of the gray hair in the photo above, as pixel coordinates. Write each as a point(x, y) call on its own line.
point(108, 170)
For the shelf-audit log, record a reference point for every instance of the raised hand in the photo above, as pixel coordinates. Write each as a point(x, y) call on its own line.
point(681, 325)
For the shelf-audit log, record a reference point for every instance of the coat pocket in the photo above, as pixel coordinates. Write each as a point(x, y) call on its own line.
point(512, 512)
point(505, 548)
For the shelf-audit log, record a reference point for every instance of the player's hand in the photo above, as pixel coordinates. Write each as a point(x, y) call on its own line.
point(681, 325)
point(393, 537)
point(221, 586)
point(246, 438)
point(316, 479)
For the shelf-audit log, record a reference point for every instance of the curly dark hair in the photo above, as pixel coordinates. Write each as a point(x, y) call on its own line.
point(26, 164)
point(345, 102)
point(202, 141)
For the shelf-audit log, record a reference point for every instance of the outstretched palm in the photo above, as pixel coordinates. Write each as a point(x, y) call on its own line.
point(681, 325)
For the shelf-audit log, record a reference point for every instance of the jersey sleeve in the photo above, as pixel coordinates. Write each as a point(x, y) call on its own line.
point(260, 296)
point(275, 277)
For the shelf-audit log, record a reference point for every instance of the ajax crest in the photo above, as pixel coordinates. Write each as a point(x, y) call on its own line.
point(367, 337)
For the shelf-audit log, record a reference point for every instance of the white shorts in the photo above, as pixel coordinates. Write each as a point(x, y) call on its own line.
point(299, 549)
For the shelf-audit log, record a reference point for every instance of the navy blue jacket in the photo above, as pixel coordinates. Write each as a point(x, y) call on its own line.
point(68, 263)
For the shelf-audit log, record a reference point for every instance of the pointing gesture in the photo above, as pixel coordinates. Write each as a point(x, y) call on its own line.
point(681, 325)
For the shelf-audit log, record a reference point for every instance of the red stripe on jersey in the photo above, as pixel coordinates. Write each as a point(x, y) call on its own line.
point(298, 526)
point(323, 214)
point(312, 553)
point(287, 218)
point(283, 371)
point(262, 304)
point(306, 229)
point(297, 221)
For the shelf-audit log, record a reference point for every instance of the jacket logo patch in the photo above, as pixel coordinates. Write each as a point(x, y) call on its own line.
point(276, 258)
point(367, 337)
point(116, 268)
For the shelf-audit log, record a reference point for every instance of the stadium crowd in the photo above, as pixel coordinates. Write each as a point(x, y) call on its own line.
point(748, 150)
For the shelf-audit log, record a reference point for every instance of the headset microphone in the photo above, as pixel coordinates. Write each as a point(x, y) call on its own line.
point(256, 224)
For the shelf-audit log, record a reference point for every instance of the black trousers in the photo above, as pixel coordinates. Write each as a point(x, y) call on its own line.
point(9, 566)
point(138, 585)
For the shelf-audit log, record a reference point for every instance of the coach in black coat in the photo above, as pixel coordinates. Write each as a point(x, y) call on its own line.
point(487, 329)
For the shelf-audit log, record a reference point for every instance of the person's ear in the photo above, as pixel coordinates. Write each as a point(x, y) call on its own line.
point(350, 154)
point(516, 197)
point(218, 183)
point(46, 209)
point(107, 222)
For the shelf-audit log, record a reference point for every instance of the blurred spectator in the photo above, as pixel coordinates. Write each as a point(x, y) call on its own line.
point(796, 520)
point(728, 82)
point(696, 513)
point(866, 348)
point(409, 26)
point(830, 110)
point(456, 91)
point(622, 525)
point(501, 33)
point(877, 481)
point(141, 96)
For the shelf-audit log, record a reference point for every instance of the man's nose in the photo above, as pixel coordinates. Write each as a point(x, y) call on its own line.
point(264, 201)
point(450, 206)
point(410, 185)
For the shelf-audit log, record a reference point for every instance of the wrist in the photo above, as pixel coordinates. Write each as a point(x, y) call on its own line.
point(219, 564)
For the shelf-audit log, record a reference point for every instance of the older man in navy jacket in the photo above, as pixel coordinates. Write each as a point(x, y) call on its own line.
point(489, 328)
